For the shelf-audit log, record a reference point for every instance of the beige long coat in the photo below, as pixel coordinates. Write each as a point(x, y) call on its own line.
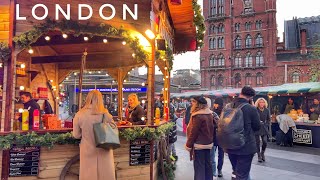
point(95, 163)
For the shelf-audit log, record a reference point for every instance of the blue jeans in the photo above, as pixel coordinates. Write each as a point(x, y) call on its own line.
point(241, 165)
point(220, 159)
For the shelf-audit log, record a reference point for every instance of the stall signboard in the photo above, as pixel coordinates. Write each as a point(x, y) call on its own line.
point(144, 89)
point(140, 152)
point(24, 161)
point(302, 136)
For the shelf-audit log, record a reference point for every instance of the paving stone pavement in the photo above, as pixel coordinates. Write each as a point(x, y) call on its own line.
point(282, 163)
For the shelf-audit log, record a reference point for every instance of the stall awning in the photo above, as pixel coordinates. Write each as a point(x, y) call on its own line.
point(292, 88)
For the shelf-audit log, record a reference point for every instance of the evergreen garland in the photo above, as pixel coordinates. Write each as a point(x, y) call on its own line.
point(49, 140)
point(167, 54)
point(73, 27)
point(198, 21)
point(5, 51)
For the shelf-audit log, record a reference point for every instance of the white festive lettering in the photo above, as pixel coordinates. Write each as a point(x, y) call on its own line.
point(46, 12)
point(65, 14)
point(127, 9)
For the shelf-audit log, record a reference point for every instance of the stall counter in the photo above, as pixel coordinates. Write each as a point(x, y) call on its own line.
point(53, 162)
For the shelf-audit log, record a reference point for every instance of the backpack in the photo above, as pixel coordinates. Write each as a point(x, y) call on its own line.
point(230, 133)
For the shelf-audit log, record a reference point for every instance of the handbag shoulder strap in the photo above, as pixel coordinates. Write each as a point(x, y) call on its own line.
point(102, 118)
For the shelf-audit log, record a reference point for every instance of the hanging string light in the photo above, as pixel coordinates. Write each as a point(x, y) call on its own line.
point(65, 36)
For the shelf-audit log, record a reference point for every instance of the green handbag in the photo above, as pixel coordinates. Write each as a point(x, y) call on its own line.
point(106, 135)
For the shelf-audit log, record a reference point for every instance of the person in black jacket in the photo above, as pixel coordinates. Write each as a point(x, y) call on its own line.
point(241, 159)
point(136, 112)
point(291, 105)
point(29, 104)
point(173, 132)
point(217, 108)
point(265, 119)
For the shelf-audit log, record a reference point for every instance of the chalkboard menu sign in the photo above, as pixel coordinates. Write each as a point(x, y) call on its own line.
point(24, 161)
point(140, 152)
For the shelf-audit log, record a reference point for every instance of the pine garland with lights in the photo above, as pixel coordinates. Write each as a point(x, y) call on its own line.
point(168, 55)
point(5, 51)
point(198, 21)
point(49, 140)
point(26, 39)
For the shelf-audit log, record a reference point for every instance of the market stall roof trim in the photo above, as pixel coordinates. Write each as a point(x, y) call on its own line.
point(291, 88)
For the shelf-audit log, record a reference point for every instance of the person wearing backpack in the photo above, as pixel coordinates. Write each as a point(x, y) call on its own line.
point(236, 132)
point(200, 138)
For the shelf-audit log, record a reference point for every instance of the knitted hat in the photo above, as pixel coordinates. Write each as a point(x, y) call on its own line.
point(248, 91)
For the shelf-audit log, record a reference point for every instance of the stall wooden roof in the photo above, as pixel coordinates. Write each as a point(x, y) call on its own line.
point(182, 18)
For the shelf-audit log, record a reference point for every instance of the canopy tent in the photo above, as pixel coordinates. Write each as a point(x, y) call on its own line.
point(310, 87)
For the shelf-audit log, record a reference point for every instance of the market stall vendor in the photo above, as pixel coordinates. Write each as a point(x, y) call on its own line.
point(315, 110)
point(29, 104)
point(135, 111)
point(289, 106)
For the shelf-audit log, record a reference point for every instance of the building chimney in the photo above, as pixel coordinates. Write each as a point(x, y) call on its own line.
point(303, 35)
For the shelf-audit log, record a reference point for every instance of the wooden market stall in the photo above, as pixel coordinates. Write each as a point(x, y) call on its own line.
point(45, 52)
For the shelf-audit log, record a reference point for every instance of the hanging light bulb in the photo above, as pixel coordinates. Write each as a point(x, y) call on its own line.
point(65, 36)
point(166, 89)
point(99, 72)
point(105, 40)
point(51, 81)
point(23, 66)
point(143, 101)
point(165, 68)
point(133, 55)
point(30, 51)
point(129, 73)
point(143, 84)
point(124, 43)
point(90, 72)
point(125, 81)
point(85, 38)
point(20, 110)
point(167, 77)
point(75, 73)
point(21, 88)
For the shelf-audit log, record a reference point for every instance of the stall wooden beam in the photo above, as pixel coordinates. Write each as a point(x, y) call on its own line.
point(120, 92)
point(151, 84)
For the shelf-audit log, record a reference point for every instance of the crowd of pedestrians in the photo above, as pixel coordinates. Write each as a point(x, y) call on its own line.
point(236, 128)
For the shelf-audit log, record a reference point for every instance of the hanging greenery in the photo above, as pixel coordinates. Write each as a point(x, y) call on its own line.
point(73, 27)
point(49, 140)
point(5, 51)
point(149, 133)
point(198, 21)
point(167, 55)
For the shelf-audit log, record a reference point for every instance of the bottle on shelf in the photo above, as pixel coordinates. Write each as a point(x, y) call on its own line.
point(25, 120)
point(36, 119)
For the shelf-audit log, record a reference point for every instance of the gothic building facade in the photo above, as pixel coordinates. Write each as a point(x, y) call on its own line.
point(240, 43)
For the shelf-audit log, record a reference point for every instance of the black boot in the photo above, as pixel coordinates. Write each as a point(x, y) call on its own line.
point(262, 156)
point(220, 173)
point(259, 157)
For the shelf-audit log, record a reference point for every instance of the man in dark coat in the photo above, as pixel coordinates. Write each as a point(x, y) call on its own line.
point(289, 106)
point(241, 159)
point(29, 104)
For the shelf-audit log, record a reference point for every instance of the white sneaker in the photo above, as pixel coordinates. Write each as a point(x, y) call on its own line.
point(215, 178)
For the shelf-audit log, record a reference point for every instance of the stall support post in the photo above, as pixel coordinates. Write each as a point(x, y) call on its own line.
point(151, 83)
point(82, 67)
point(120, 93)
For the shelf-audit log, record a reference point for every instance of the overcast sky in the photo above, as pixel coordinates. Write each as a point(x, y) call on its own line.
point(286, 9)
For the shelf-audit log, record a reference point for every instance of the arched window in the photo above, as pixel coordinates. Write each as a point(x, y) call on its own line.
point(296, 77)
point(220, 80)
point(259, 59)
point(212, 43)
point(221, 28)
point(258, 24)
point(221, 7)
point(237, 27)
point(259, 79)
point(237, 80)
point(238, 61)
point(212, 28)
point(248, 26)
point(248, 61)
point(259, 40)
point(237, 42)
point(248, 41)
point(213, 80)
point(248, 78)
point(211, 61)
point(221, 60)
point(213, 8)
point(221, 42)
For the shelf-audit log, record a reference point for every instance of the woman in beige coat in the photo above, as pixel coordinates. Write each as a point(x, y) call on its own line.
point(95, 163)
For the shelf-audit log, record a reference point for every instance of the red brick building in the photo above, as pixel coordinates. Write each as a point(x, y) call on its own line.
point(240, 43)
point(296, 61)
